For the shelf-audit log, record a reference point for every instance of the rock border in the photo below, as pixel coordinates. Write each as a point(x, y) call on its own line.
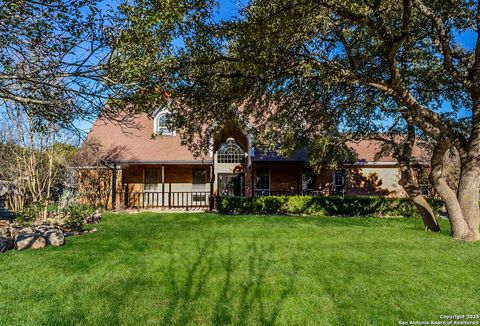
point(41, 234)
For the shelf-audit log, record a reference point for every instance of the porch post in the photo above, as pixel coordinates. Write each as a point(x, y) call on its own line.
point(299, 191)
point(252, 191)
point(163, 185)
point(114, 187)
point(211, 203)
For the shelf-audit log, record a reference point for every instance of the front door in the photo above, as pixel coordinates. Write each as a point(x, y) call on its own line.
point(231, 184)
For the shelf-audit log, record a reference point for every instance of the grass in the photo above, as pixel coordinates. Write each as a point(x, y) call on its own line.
point(154, 269)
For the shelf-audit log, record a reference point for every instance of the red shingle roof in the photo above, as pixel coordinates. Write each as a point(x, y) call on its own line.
point(137, 144)
point(366, 150)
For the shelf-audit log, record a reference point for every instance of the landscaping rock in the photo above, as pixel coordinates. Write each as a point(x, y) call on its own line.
point(29, 240)
point(94, 218)
point(14, 230)
point(38, 222)
point(5, 244)
point(90, 231)
point(5, 229)
point(27, 230)
point(55, 238)
point(5, 232)
point(71, 233)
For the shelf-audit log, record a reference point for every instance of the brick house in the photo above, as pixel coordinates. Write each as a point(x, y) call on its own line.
point(161, 172)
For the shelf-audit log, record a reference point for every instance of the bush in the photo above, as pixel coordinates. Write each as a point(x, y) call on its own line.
point(76, 215)
point(331, 206)
point(28, 215)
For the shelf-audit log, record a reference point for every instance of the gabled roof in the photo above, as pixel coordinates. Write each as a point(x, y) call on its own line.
point(367, 149)
point(136, 144)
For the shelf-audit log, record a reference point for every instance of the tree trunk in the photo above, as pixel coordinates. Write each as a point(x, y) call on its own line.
point(463, 210)
point(408, 181)
point(468, 193)
point(410, 184)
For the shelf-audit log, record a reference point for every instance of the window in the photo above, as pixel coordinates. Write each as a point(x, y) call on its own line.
point(161, 126)
point(198, 186)
point(151, 179)
point(339, 178)
point(231, 152)
point(339, 182)
point(308, 181)
point(263, 179)
point(199, 176)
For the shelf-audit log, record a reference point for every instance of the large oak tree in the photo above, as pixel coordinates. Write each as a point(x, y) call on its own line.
point(328, 63)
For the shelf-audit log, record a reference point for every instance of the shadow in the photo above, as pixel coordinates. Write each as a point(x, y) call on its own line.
point(365, 185)
point(221, 315)
point(185, 293)
point(243, 296)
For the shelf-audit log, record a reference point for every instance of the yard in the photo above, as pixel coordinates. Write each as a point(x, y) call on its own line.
point(200, 268)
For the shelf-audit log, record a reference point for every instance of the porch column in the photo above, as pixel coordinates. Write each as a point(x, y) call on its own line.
point(114, 187)
point(163, 185)
point(211, 205)
point(252, 183)
point(299, 190)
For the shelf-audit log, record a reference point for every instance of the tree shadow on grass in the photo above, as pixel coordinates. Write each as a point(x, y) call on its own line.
point(251, 293)
point(186, 292)
point(233, 304)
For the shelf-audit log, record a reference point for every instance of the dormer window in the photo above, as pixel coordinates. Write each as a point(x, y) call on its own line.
point(161, 126)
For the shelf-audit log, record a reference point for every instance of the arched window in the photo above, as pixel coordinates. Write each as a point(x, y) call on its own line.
point(161, 126)
point(231, 152)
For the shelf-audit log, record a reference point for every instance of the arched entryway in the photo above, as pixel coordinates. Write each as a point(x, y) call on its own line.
point(230, 164)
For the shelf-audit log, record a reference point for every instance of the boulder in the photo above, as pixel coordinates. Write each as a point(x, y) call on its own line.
point(94, 218)
point(71, 233)
point(5, 232)
point(54, 238)
point(5, 229)
point(38, 222)
point(5, 244)
point(29, 240)
point(45, 228)
point(14, 230)
point(27, 230)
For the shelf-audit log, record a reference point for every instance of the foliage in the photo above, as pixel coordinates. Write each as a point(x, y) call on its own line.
point(27, 215)
point(296, 70)
point(52, 58)
point(328, 152)
point(76, 215)
point(331, 206)
point(34, 157)
point(210, 269)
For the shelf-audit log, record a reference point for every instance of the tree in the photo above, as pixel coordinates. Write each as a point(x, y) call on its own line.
point(33, 159)
point(400, 145)
point(335, 63)
point(53, 55)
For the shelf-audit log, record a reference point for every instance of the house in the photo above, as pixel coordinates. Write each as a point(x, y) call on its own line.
point(161, 172)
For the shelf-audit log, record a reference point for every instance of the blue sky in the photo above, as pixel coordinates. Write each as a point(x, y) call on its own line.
point(229, 8)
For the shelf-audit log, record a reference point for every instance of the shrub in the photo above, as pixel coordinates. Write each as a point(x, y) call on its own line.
point(332, 206)
point(76, 215)
point(28, 215)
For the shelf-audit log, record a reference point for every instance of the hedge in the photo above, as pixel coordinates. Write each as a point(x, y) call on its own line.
point(330, 206)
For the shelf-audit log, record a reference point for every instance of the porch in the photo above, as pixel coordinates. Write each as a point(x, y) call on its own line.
point(166, 186)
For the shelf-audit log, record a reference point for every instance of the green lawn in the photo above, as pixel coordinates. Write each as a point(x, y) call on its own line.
point(210, 269)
